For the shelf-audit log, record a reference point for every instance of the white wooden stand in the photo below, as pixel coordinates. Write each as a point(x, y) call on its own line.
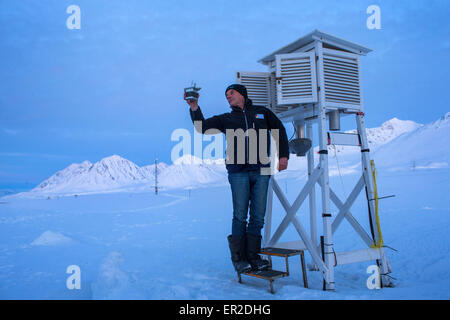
point(309, 241)
point(312, 80)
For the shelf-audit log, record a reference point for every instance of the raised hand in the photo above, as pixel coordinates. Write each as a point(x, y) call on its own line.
point(192, 103)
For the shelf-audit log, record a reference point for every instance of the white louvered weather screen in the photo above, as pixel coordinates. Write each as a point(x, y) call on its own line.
point(258, 86)
point(296, 78)
point(341, 76)
point(273, 95)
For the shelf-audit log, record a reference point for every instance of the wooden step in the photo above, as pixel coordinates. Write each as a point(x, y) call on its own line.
point(267, 274)
point(270, 275)
point(279, 252)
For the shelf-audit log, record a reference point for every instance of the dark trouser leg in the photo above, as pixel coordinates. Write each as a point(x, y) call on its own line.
point(258, 198)
point(240, 191)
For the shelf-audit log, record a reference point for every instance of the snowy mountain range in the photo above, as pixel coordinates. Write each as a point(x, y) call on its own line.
point(109, 173)
point(381, 135)
point(115, 173)
point(422, 148)
point(395, 144)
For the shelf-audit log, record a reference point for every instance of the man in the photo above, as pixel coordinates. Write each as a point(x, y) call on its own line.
point(244, 164)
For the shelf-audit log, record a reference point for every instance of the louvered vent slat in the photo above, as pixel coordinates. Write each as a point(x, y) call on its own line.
point(338, 60)
point(341, 78)
point(342, 73)
point(335, 68)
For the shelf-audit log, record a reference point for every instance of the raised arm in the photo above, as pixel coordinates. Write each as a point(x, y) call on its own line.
point(200, 123)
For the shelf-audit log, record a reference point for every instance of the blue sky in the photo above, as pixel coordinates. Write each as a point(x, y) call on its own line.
point(115, 86)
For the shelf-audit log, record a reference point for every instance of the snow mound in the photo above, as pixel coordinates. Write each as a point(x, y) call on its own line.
point(50, 238)
point(113, 282)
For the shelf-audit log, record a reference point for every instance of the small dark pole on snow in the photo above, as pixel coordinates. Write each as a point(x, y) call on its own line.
point(156, 176)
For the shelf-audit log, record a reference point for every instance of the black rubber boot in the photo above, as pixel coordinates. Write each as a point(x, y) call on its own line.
point(253, 248)
point(238, 257)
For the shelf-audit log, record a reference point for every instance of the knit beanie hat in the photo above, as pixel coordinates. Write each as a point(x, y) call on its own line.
point(239, 88)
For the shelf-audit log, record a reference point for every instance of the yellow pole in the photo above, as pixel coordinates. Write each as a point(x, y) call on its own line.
point(379, 243)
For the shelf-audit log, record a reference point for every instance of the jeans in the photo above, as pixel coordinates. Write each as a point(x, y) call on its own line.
point(248, 188)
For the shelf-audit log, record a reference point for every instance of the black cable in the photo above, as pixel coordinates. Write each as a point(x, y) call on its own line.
point(385, 246)
point(295, 131)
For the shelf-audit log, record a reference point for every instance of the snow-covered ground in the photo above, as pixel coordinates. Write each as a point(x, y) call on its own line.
point(173, 245)
point(132, 244)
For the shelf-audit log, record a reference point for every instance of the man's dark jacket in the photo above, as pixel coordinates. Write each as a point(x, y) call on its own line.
point(251, 117)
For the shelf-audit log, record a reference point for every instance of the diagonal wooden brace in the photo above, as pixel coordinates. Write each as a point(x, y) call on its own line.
point(353, 222)
point(344, 208)
point(291, 211)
